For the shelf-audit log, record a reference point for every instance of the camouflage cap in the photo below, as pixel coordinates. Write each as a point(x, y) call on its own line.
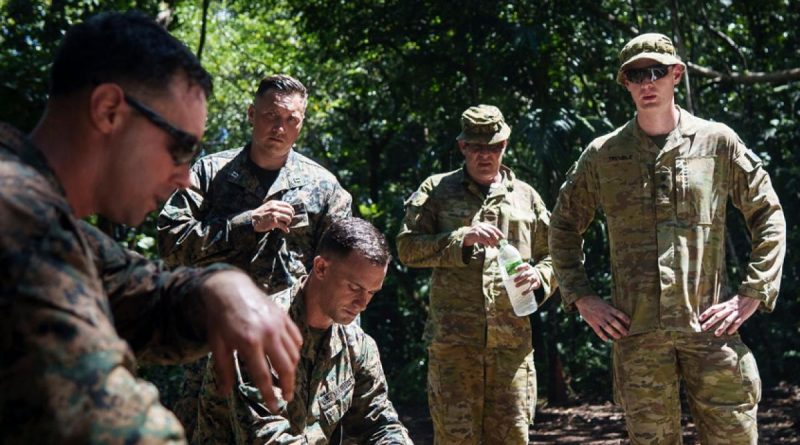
point(483, 124)
point(653, 46)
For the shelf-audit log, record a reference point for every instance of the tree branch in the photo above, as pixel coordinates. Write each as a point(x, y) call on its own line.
point(746, 77)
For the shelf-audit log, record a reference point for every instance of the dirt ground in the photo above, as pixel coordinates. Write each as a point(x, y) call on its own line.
point(603, 424)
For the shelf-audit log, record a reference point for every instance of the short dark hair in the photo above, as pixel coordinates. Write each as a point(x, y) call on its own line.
point(283, 83)
point(123, 47)
point(354, 234)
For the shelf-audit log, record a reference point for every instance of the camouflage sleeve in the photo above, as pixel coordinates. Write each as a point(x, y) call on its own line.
point(66, 374)
point(573, 213)
point(338, 206)
point(752, 193)
point(158, 311)
point(419, 244)
point(186, 236)
point(540, 252)
point(372, 418)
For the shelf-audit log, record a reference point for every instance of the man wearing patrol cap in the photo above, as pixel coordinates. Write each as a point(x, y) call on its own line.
point(663, 181)
point(481, 378)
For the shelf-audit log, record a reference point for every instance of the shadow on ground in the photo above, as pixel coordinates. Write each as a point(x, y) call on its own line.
point(603, 424)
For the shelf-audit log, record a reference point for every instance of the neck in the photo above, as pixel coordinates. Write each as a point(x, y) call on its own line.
point(63, 142)
point(266, 160)
point(658, 121)
point(486, 181)
point(314, 316)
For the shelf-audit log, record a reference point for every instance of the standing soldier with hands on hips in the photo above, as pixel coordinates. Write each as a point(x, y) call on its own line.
point(663, 181)
point(481, 378)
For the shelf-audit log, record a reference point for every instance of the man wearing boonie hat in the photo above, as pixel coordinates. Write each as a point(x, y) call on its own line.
point(663, 181)
point(481, 378)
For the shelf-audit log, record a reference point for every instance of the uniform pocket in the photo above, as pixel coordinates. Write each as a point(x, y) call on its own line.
point(621, 188)
point(521, 225)
point(695, 189)
point(335, 401)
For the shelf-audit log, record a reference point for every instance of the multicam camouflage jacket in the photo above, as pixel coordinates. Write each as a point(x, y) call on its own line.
point(468, 303)
point(74, 306)
point(666, 212)
point(211, 221)
point(340, 393)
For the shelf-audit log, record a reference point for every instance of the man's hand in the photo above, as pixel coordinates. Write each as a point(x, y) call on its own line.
point(483, 234)
point(605, 320)
point(729, 315)
point(273, 214)
point(241, 318)
point(527, 278)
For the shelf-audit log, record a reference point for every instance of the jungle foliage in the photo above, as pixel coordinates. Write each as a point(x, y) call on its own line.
point(388, 80)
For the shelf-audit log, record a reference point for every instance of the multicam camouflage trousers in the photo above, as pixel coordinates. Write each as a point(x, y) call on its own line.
point(480, 396)
point(721, 380)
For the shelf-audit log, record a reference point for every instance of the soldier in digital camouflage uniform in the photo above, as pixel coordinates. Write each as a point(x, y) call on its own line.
point(262, 207)
point(481, 377)
point(75, 305)
point(341, 391)
point(663, 181)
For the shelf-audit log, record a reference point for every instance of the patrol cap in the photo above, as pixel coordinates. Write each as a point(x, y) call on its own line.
point(483, 124)
point(653, 46)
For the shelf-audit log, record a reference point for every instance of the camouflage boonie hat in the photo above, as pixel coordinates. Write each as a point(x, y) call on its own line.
point(483, 124)
point(653, 46)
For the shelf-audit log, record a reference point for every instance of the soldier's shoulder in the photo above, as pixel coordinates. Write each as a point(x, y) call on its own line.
point(219, 158)
point(29, 201)
point(311, 167)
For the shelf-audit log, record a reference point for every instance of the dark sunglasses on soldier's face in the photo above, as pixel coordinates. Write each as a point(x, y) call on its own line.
point(651, 73)
point(483, 148)
point(186, 145)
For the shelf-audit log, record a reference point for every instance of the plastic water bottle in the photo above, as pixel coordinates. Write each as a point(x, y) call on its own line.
point(524, 303)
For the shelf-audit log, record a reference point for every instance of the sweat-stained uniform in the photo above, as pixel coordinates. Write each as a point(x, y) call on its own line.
point(74, 307)
point(481, 377)
point(339, 385)
point(665, 210)
point(211, 222)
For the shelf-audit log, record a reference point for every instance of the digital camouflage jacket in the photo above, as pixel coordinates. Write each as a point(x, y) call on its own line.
point(211, 221)
point(74, 308)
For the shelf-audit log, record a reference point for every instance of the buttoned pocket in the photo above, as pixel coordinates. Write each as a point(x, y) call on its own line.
point(695, 194)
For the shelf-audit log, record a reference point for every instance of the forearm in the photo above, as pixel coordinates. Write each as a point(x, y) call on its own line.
point(432, 250)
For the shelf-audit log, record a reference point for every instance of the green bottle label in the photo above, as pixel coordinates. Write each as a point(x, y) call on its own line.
point(511, 269)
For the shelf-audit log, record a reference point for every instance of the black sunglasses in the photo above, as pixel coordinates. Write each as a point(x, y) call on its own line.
point(651, 73)
point(483, 148)
point(186, 145)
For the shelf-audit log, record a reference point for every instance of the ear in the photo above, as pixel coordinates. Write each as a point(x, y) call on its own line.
point(677, 73)
point(105, 107)
point(319, 267)
point(460, 144)
point(251, 113)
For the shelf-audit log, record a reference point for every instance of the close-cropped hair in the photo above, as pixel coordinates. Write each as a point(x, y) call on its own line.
point(282, 83)
point(355, 235)
point(127, 47)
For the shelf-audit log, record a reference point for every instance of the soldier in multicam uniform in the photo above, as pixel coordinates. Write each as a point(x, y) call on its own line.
point(262, 208)
point(74, 305)
point(341, 391)
point(663, 181)
point(481, 378)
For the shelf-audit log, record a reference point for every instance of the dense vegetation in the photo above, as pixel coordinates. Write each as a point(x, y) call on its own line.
point(389, 78)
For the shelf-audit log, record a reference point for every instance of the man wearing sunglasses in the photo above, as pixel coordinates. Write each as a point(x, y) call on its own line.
point(663, 180)
point(481, 378)
point(127, 105)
